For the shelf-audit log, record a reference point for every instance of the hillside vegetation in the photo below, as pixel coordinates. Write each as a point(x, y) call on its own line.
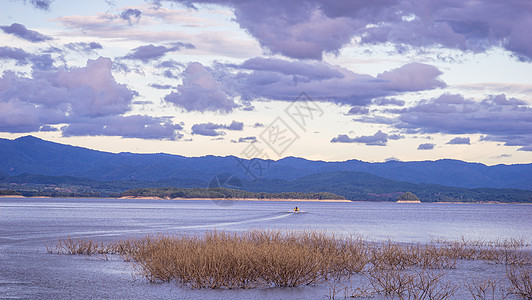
point(220, 192)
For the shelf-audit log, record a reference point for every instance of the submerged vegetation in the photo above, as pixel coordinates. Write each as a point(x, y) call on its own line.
point(290, 259)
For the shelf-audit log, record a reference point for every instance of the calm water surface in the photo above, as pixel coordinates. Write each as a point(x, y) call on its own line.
point(27, 271)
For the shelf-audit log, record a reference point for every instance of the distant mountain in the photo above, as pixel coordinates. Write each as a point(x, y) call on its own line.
point(36, 156)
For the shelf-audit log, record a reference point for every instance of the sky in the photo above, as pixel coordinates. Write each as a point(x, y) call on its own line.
point(330, 80)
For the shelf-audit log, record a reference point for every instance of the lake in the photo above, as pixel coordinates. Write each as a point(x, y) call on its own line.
point(27, 271)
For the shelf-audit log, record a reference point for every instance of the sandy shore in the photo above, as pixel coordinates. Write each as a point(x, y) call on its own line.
point(242, 199)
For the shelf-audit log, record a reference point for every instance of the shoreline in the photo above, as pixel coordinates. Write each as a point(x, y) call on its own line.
point(240, 199)
point(265, 200)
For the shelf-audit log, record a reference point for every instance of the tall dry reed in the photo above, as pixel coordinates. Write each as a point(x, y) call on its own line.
point(290, 258)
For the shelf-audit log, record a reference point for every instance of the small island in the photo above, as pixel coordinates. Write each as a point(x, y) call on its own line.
point(408, 197)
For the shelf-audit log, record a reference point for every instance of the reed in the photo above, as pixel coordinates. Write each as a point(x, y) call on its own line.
point(290, 259)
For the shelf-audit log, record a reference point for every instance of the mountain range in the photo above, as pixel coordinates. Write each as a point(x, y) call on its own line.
point(35, 162)
point(36, 156)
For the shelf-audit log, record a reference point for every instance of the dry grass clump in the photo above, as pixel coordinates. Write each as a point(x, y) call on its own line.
point(289, 259)
point(484, 289)
point(79, 246)
point(394, 255)
point(520, 277)
point(225, 260)
point(506, 251)
point(411, 284)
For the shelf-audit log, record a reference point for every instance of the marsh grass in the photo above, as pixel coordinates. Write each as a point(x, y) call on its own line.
point(289, 259)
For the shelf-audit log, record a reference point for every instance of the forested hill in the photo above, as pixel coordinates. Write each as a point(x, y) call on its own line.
point(224, 193)
point(355, 186)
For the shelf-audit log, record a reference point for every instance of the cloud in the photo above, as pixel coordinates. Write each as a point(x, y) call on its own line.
point(211, 129)
point(426, 146)
point(412, 77)
point(525, 148)
point(17, 54)
point(39, 4)
point(388, 101)
point(88, 100)
point(22, 32)
point(40, 62)
point(151, 52)
point(272, 79)
point(308, 29)
point(452, 113)
point(343, 138)
point(378, 139)
point(83, 47)
point(235, 125)
point(459, 141)
point(200, 92)
point(248, 139)
point(160, 25)
point(61, 96)
point(131, 15)
point(358, 110)
point(314, 70)
point(48, 128)
point(258, 125)
point(498, 117)
point(161, 86)
point(135, 126)
point(171, 64)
